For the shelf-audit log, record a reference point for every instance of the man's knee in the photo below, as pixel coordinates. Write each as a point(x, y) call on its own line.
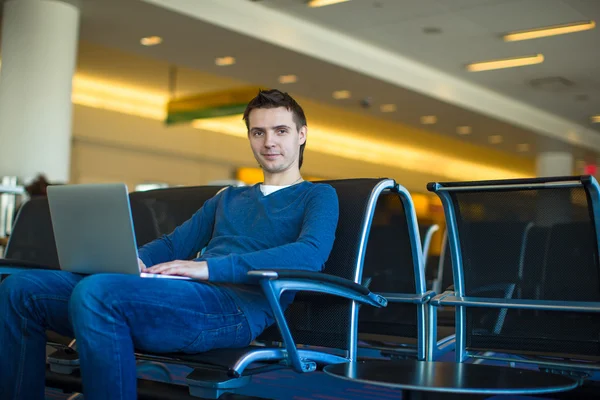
point(91, 297)
point(18, 289)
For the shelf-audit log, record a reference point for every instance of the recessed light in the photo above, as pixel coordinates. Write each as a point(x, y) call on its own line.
point(223, 61)
point(523, 147)
point(549, 31)
point(464, 130)
point(428, 119)
point(283, 79)
point(323, 3)
point(151, 40)
point(495, 139)
point(505, 63)
point(432, 30)
point(387, 108)
point(341, 94)
point(595, 119)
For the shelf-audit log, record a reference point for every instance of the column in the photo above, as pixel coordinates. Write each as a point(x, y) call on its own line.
point(39, 48)
point(554, 164)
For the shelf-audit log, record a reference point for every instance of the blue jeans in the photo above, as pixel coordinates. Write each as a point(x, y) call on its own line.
point(109, 315)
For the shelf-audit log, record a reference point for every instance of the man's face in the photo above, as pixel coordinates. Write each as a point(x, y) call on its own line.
point(275, 139)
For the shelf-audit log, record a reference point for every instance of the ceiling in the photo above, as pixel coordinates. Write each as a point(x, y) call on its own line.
point(470, 30)
point(192, 45)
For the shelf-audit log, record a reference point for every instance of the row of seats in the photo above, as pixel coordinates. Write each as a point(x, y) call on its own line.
point(508, 247)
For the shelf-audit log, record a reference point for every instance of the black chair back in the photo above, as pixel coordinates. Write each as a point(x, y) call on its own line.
point(32, 238)
point(321, 320)
point(158, 212)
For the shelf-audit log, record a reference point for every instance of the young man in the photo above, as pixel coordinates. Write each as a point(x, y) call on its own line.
point(283, 223)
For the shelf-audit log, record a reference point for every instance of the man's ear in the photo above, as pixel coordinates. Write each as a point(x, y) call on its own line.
point(303, 132)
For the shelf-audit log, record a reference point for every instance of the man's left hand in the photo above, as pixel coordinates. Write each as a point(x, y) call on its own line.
point(193, 269)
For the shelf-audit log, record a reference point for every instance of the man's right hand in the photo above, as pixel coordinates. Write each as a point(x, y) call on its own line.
point(141, 265)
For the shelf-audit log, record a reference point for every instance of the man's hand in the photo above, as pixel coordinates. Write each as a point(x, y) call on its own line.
point(193, 269)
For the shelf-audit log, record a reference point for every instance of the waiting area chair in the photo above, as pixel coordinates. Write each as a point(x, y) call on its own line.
point(319, 328)
point(527, 275)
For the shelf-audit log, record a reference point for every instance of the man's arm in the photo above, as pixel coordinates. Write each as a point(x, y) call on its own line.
point(185, 241)
point(309, 252)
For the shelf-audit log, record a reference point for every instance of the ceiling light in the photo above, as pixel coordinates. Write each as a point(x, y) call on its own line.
point(505, 63)
point(523, 147)
point(323, 3)
point(549, 31)
point(495, 139)
point(151, 40)
point(283, 79)
point(428, 119)
point(341, 94)
point(596, 119)
point(464, 130)
point(387, 108)
point(223, 61)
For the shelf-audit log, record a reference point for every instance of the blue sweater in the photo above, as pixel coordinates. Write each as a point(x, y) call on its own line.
point(242, 230)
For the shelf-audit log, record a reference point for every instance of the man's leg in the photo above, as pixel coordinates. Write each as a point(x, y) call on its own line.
point(30, 303)
point(113, 314)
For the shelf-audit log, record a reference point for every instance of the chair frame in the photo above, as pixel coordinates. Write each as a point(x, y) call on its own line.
point(422, 296)
point(427, 240)
point(457, 297)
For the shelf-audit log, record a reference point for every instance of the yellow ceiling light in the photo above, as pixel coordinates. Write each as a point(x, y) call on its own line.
point(595, 119)
point(505, 63)
point(151, 40)
point(386, 108)
point(354, 146)
point(341, 94)
point(285, 79)
point(428, 119)
point(549, 31)
point(495, 139)
point(323, 3)
point(224, 61)
point(523, 147)
point(464, 130)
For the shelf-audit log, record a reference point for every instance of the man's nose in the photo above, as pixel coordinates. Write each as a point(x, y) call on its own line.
point(269, 139)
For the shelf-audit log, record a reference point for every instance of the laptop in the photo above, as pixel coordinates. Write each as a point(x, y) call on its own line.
point(94, 231)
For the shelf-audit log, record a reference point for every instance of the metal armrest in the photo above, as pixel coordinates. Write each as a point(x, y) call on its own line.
point(274, 283)
point(321, 283)
point(523, 304)
point(437, 300)
point(408, 298)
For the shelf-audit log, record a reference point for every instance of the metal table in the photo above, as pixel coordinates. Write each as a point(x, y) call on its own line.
point(425, 379)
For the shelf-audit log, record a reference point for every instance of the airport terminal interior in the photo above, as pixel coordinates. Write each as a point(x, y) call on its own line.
point(462, 138)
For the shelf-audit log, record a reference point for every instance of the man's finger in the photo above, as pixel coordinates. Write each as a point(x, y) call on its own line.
point(174, 270)
point(159, 268)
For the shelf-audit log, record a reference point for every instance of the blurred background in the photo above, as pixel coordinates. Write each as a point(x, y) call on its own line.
point(148, 92)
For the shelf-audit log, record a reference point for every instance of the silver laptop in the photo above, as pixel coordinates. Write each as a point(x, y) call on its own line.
point(94, 231)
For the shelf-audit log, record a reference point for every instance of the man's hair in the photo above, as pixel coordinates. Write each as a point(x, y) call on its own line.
point(273, 99)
